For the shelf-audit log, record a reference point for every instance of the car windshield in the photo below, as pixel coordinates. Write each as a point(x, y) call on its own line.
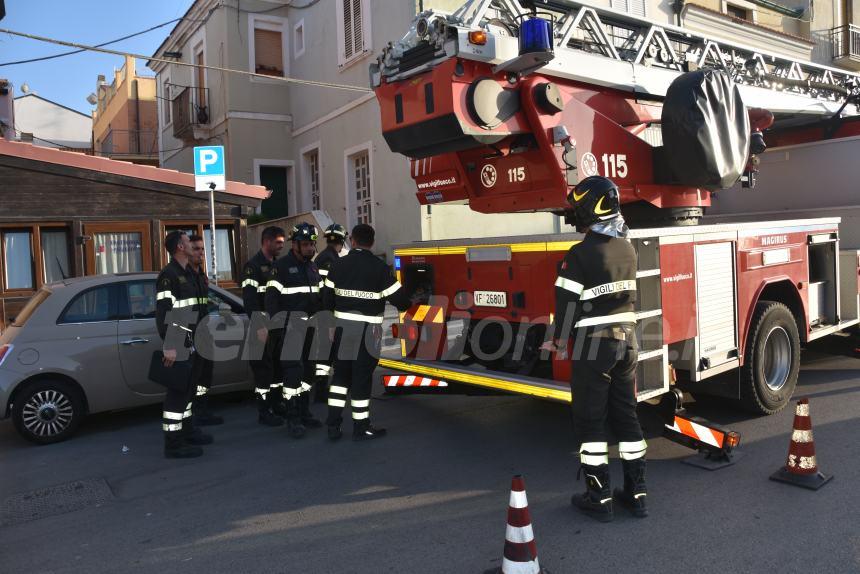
point(31, 306)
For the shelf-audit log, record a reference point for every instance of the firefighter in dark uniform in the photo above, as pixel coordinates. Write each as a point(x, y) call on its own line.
point(293, 292)
point(335, 237)
point(356, 290)
point(263, 343)
point(180, 303)
point(202, 376)
point(595, 292)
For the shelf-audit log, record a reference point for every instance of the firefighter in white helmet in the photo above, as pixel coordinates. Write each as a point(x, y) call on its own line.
point(595, 292)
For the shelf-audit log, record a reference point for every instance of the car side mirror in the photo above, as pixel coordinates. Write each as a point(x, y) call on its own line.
point(224, 308)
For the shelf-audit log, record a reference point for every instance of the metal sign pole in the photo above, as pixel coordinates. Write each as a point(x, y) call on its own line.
point(212, 235)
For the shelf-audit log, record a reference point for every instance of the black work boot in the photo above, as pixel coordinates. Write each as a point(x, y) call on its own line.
point(305, 413)
point(203, 416)
point(277, 403)
point(596, 501)
point(269, 419)
point(294, 419)
point(175, 447)
point(635, 493)
point(195, 436)
point(265, 416)
point(334, 432)
point(365, 431)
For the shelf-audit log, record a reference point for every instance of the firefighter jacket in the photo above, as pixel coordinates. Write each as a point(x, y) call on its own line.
point(181, 301)
point(325, 260)
point(294, 286)
point(358, 286)
point(596, 286)
point(255, 277)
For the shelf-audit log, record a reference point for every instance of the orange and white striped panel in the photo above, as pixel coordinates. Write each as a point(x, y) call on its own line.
point(411, 381)
point(699, 432)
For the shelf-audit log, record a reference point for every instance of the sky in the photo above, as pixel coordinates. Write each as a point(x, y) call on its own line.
point(69, 80)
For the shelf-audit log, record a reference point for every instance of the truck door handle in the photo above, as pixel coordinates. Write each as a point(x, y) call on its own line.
point(135, 341)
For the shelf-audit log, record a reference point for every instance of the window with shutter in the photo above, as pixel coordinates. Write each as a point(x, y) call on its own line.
point(268, 52)
point(353, 29)
point(634, 7)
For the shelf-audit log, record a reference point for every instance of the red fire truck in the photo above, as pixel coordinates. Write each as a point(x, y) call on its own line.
point(505, 105)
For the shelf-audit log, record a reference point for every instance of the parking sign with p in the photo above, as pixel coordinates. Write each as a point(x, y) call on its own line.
point(209, 168)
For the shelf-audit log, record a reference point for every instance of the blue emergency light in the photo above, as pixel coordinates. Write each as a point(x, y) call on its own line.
point(397, 263)
point(535, 35)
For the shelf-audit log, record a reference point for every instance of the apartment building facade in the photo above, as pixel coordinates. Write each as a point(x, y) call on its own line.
point(125, 119)
point(322, 147)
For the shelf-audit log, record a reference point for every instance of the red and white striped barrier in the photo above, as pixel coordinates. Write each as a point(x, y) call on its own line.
point(520, 554)
point(709, 436)
point(411, 381)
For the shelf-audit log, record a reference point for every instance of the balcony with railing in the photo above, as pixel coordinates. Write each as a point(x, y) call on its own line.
point(846, 46)
point(190, 109)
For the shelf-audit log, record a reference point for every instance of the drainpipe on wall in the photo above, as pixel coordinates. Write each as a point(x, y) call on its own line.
point(137, 112)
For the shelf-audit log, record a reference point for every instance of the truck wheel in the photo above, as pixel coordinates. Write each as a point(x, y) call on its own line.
point(48, 411)
point(772, 363)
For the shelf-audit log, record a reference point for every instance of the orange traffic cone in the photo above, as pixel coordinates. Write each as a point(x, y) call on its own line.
point(520, 554)
point(801, 468)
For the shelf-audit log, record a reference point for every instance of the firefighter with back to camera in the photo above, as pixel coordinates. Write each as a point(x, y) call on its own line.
point(595, 292)
point(356, 290)
point(335, 237)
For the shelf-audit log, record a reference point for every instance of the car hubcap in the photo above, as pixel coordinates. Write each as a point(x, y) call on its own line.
point(48, 413)
point(777, 358)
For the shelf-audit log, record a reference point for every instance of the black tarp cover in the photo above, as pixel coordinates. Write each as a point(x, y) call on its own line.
point(706, 130)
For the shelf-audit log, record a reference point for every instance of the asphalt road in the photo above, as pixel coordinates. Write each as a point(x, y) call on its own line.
point(431, 497)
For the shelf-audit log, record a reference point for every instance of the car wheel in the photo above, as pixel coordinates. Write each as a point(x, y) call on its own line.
point(48, 411)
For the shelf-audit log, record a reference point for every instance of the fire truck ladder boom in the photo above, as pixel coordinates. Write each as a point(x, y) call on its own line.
point(605, 47)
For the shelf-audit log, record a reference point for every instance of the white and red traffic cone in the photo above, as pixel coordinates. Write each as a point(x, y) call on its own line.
point(801, 468)
point(520, 554)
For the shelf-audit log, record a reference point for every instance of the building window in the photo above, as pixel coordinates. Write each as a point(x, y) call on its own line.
point(353, 26)
point(120, 252)
point(55, 255)
point(738, 12)
point(634, 7)
point(312, 176)
point(18, 259)
point(299, 39)
point(200, 76)
point(165, 102)
point(268, 54)
point(224, 253)
point(359, 186)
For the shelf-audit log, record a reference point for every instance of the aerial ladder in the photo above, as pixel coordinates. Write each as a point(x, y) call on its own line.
point(508, 129)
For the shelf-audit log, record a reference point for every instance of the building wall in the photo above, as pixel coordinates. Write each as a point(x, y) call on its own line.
point(49, 121)
point(232, 98)
point(125, 107)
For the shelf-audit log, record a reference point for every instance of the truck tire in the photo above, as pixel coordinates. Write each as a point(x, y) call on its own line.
point(769, 374)
point(47, 411)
